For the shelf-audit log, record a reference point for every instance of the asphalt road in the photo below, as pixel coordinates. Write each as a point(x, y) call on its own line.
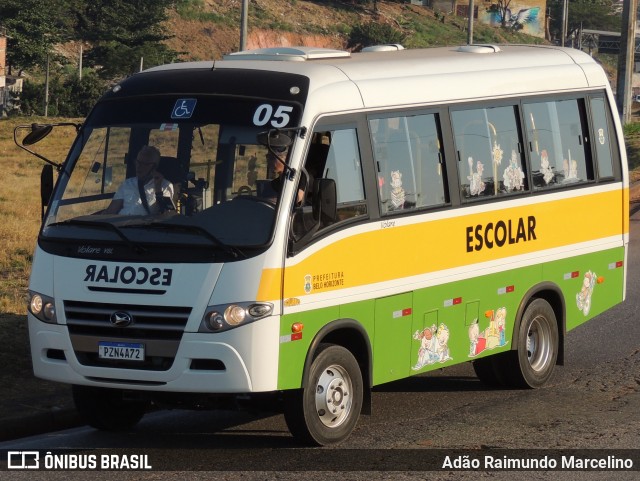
point(593, 402)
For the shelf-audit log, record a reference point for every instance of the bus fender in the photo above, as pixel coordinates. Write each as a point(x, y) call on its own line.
point(350, 334)
point(550, 292)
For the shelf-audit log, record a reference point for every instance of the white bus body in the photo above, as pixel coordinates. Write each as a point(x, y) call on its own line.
point(225, 295)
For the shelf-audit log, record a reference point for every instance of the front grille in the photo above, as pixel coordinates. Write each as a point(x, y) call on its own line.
point(160, 328)
point(155, 322)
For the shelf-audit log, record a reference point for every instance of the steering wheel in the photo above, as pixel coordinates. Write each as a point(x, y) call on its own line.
point(245, 190)
point(251, 198)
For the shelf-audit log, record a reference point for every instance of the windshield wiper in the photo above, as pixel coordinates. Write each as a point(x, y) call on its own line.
point(103, 225)
point(231, 250)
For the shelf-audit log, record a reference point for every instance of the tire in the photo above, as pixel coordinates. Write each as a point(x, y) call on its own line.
point(532, 364)
point(106, 409)
point(326, 410)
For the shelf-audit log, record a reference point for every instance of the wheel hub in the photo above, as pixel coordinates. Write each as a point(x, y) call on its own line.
point(538, 345)
point(333, 396)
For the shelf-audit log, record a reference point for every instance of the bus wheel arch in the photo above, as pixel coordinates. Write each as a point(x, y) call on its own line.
point(551, 293)
point(537, 339)
point(337, 374)
point(351, 335)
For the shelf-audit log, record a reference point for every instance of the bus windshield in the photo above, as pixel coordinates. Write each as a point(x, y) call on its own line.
point(208, 178)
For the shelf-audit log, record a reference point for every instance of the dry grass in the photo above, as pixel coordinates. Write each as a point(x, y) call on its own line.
point(20, 207)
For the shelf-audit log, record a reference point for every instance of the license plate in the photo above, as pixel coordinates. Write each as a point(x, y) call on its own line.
point(121, 350)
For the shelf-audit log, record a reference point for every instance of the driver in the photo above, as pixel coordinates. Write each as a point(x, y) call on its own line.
point(146, 193)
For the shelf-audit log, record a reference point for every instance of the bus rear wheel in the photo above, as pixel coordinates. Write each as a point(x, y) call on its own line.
point(106, 409)
point(532, 364)
point(326, 410)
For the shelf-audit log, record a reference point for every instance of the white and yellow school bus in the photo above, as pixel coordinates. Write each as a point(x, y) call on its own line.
point(421, 208)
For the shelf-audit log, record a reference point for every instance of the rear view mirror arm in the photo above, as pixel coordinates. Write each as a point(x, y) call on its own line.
point(46, 129)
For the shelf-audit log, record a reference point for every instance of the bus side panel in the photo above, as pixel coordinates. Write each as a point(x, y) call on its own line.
point(294, 349)
point(446, 324)
point(391, 347)
point(591, 283)
point(294, 346)
point(463, 320)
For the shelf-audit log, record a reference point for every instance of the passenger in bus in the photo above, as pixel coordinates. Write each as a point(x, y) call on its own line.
point(146, 193)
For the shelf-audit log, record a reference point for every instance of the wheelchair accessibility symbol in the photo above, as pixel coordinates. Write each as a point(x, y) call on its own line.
point(183, 109)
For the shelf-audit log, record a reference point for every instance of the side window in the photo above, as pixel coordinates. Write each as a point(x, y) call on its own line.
point(408, 156)
point(332, 155)
point(602, 139)
point(490, 153)
point(557, 138)
point(345, 168)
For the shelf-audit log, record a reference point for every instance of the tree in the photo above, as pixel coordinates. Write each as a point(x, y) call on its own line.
point(122, 31)
point(33, 30)
point(81, 94)
point(590, 14)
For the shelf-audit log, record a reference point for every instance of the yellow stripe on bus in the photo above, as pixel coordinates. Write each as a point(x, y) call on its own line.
point(404, 251)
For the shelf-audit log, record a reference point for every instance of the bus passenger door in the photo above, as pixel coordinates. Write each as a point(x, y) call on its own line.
point(393, 338)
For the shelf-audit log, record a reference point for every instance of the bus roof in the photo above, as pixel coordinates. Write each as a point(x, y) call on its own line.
point(396, 76)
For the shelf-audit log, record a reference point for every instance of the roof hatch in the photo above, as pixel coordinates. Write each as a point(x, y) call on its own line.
point(287, 53)
point(479, 48)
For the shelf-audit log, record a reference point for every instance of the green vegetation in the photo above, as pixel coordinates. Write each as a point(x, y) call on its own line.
point(632, 141)
point(196, 10)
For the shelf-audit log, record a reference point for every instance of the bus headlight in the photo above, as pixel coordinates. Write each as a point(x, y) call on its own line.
point(235, 315)
point(42, 307)
point(225, 317)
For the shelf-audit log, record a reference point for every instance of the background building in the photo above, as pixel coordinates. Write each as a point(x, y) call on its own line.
point(528, 16)
point(10, 86)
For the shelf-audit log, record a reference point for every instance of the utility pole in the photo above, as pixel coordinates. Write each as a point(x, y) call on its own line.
point(470, 28)
point(243, 24)
point(626, 59)
point(565, 20)
point(80, 64)
point(46, 90)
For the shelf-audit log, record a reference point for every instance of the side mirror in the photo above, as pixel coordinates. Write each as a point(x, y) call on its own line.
point(274, 139)
point(325, 201)
point(46, 186)
point(38, 132)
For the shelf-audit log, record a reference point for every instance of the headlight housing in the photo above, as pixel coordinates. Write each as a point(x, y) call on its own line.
point(42, 307)
point(228, 316)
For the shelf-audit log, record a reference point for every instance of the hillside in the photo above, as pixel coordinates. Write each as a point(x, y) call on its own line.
point(208, 29)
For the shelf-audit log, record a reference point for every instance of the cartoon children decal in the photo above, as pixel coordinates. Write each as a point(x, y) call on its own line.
point(397, 192)
point(434, 346)
point(476, 185)
point(513, 176)
point(583, 298)
point(545, 167)
point(493, 336)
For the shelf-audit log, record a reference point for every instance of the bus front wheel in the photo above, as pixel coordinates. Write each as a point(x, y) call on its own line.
point(532, 364)
point(327, 408)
